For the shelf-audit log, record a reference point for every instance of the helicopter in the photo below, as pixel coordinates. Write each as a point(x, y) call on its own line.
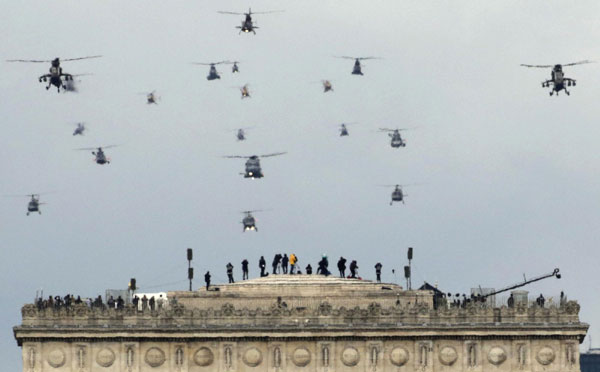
point(213, 74)
point(56, 75)
point(34, 203)
point(397, 194)
point(241, 133)
point(558, 78)
point(344, 130)
point(100, 156)
point(151, 98)
point(253, 169)
point(79, 129)
point(249, 221)
point(357, 69)
point(235, 68)
point(327, 86)
point(245, 92)
point(247, 23)
point(397, 140)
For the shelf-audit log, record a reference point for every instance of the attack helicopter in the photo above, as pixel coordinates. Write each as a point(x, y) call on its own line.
point(213, 74)
point(235, 68)
point(79, 129)
point(249, 221)
point(396, 138)
point(558, 80)
point(253, 169)
point(344, 130)
point(56, 75)
point(327, 86)
point(247, 23)
point(99, 155)
point(245, 91)
point(357, 69)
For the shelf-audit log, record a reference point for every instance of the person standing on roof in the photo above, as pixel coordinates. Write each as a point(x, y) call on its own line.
point(378, 271)
point(230, 272)
point(207, 279)
point(293, 260)
point(342, 267)
point(284, 263)
point(262, 264)
point(308, 269)
point(353, 267)
point(245, 269)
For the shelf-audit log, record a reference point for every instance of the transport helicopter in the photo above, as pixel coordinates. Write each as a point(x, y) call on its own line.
point(249, 221)
point(357, 69)
point(235, 68)
point(247, 23)
point(79, 129)
point(100, 156)
point(558, 80)
point(253, 169)
point(396, 138)
point(56, 75)
point(213, 74)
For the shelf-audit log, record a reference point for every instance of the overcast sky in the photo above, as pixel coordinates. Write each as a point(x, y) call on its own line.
point(509, 177)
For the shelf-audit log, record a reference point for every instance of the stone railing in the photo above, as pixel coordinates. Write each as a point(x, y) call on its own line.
point(373, 315)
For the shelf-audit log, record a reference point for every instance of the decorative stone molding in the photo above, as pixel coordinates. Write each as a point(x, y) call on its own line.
point(350, 356)
point(399, 356)
point(252, 357)
point(496, 355)
point(301, 357)
point(56, 358)
point(448, 355)
point(545, 355)
point(203, 357)
point(105, 357)
point(154, 357)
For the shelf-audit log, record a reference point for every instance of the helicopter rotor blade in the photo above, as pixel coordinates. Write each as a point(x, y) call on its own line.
point(345, 57)
point(28, 60)
point(365, 58)
point(267, 12)
point(537, 66)
point(234, 13)
point(273, 154)
point(579, 63)
point(77, 59)
point(235, 157)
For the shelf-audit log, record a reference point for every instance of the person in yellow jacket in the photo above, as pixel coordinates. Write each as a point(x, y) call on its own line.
point(293, 260)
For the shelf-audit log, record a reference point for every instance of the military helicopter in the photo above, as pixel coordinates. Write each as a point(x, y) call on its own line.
point(79, 129)
point(56, 75)
point(241, 133)
point(397, 140)
point(249, 222)
point(245, 92)
point(100, 156)
point(327, 86)
point(357, 69)
point(397, 194)
point(558, 78)
point(213, 74)
point(151, 98)
point(253, 169)
point(344, 130)
point(247, 23)
point(235, 68)
point(34, 203)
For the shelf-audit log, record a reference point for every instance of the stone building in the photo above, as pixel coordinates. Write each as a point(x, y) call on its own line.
point(302, 323)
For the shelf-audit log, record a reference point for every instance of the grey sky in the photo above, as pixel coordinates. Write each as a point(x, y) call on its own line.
point(510, 177)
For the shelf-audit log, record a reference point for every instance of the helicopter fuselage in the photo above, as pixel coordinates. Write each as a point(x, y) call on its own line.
point(241, 135)
point(397, 196)
point(55, 76)
point(344, 131)
point(356, 70)
point(213, 74)
point(79, 130)
point(100, 157)
point(253, 169)
point(397, 140)
point(558, 81)
point(249, 223)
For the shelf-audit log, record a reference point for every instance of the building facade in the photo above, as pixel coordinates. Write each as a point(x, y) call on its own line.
point(301, 323)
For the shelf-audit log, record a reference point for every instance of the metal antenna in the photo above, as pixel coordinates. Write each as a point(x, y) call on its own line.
point(190, 268)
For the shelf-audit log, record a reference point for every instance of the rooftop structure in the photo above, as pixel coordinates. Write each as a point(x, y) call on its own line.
point(302, 323)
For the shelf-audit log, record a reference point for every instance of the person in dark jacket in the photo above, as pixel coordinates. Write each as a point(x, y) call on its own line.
point(262, 264)
point(378, 267)
point(353, 267)
point(230, 272)
point(207, 279)
point(342, 267)
point(323, 268)
point(308, 269)
point(284, 263)
point(245, 269)
point(276, 263)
